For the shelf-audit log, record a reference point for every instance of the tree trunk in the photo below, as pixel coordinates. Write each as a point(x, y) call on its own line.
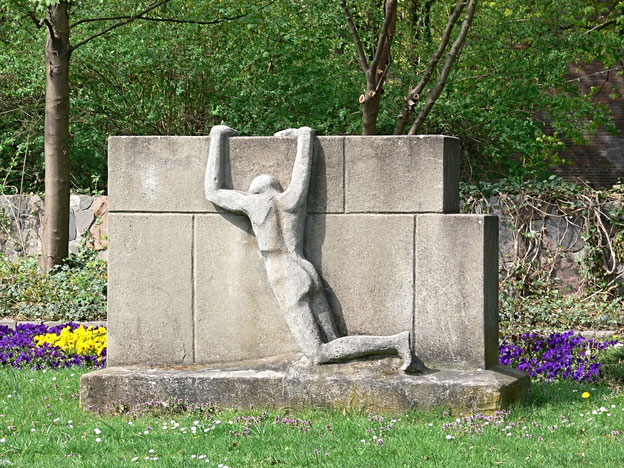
point(370, 109)
point(57, 54)
point(377, 73)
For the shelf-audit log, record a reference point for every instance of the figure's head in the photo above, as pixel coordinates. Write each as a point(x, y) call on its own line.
point(264, 183)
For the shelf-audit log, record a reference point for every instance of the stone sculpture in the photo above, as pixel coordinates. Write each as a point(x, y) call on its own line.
point(278, 217)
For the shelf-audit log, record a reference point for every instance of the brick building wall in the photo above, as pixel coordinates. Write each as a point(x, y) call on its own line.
point(601, 161)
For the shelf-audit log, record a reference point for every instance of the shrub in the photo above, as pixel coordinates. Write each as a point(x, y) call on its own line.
point(75, 290)
point(613, 364)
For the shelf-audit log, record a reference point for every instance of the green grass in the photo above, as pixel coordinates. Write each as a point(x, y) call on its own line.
point(35, 430)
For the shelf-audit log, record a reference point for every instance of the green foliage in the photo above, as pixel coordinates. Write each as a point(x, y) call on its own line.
point(289, 63)
point(547, 310)
point(613, 364)
point(75, 290)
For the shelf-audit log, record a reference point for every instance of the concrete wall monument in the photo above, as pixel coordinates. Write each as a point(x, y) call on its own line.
point(200, 309)
point(278, 218)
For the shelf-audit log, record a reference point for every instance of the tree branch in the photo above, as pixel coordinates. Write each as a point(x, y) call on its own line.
point(153, 6)
point(414, 93)
point(181, 21)
point(356, 36)
point(39, 23)
point(601, 26)
point(385, 37)
point(168, 20)
point(434, 93)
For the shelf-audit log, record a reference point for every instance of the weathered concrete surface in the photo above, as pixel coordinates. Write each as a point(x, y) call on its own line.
point(236, 315)
point(372, 385)
point(150, 289)
point(167, 173)
point(402, 174)
point(366, 263)
point(456, 290)
point(236, 308)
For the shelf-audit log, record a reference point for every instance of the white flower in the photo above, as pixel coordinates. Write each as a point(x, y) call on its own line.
point(2, 441)
point(151, 450)
point(134, 459)
point(97, 431)
point(33, 430)
point(98, 440)
point(449, 437)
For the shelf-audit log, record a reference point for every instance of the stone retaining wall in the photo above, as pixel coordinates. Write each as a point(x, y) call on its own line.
point(21, 220)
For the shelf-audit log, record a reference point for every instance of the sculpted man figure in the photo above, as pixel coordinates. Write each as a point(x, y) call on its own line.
point(278, 220)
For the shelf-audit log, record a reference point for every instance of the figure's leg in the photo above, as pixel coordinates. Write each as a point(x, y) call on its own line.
point(324, 316)
point(319, 304)
point(304, 328)
point(352, 347)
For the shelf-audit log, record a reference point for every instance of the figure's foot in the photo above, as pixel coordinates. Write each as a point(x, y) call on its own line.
point(411, 363)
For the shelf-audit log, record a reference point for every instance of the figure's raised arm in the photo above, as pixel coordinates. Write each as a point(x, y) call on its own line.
point(297, 192)
point(214, 179)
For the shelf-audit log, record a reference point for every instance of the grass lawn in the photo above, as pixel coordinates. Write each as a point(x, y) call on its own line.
point(42, 425)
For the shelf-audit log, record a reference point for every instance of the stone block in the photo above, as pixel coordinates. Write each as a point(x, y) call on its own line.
point(366, 264)
point(402, 174)
point(74, 202)
point(84, 220)
point(150, 289)
point(375, 385)
point(72, 225)
point(99, 228)
point(456, 290)
point(85, 202)
point(99, 206)
point(236, 314)
point(166, 174)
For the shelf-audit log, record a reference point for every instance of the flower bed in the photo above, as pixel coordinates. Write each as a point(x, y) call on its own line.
point(564, 356)
point(39, 346)
point(556, 356)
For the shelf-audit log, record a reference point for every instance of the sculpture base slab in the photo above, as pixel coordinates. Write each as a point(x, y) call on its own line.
point(374, 385)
